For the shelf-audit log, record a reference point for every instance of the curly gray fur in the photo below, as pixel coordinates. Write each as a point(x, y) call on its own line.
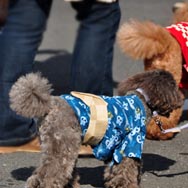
point(30, 96)
point(60, 132)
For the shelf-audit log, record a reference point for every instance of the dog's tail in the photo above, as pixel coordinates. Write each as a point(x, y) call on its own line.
point(30, 96)
point(142, 40)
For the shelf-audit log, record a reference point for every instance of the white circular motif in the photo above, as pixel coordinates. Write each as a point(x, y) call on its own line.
point(131, 155)
point(139, 139)
point(83, 120)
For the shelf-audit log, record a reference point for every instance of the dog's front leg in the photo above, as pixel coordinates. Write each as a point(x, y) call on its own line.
point(123, 175)
point(61, 141)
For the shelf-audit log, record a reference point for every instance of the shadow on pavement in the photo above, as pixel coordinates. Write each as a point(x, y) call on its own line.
point(21, 174)
point(152, 163)
point(91, 176)
point(169, 175)
point(56, 69)
point(184, 115)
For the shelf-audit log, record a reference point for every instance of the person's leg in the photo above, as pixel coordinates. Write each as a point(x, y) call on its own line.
point(19, 40)
point(93, 54)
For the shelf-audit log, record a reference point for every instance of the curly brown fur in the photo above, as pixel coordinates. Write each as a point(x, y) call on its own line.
point(60, 132)
point(36, 92)
point(153, 131)
point(159, 50)
point(137, 32)
point(126, 174)
point(61, 139)
point(153, 85)
point(180, 10)
point(153, 43)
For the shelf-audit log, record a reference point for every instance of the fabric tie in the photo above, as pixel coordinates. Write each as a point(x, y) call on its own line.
point(98, 117)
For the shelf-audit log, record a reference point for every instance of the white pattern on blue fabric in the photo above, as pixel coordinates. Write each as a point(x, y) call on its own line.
point(126, 129)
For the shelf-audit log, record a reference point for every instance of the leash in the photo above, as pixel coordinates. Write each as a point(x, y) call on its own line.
point(176, 129)
point(158, 120)
point(155, 114)
point(172, 130)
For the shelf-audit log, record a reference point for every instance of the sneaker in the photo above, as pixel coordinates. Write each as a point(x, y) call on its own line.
point(32, 146)
point(85, 151)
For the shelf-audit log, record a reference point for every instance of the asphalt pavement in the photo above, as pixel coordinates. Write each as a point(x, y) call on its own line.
point(165, 163)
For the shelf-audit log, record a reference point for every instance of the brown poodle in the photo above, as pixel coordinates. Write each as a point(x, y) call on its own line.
point(68, 121)
point(160, 48)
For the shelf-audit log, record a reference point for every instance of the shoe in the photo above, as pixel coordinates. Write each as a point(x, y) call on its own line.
point(85, 151)
point(32, 146)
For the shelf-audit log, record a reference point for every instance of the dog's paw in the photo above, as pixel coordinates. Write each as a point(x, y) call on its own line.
point(33, 182)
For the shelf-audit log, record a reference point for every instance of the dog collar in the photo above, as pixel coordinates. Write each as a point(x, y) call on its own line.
point(155, 115)
point(142, 92)
point(158, 121)
point(164, 131)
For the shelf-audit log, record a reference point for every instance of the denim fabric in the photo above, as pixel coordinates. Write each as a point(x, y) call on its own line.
point(93, 52)
point(19, 40)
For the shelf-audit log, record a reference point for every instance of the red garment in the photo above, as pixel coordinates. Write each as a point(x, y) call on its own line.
point(180, 32)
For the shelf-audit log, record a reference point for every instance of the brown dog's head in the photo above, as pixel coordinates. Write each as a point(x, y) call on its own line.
point(159, 86)
point(180, 10)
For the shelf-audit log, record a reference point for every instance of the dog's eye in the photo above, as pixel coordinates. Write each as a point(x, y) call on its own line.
point(167, 114)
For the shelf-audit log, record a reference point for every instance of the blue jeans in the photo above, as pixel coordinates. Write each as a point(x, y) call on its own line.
point(93, 52)
point(19, 41)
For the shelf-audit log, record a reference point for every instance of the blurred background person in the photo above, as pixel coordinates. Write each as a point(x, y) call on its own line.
point(23, 23)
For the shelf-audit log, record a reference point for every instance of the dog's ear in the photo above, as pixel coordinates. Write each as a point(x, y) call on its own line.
point(163, 92)
point(127, 85)
point(160, 86)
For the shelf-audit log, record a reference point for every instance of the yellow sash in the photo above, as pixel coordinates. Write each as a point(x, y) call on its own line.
point(98, 117)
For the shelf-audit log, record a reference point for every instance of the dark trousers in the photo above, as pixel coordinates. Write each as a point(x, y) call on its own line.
point(93, 52)
point(19, 41)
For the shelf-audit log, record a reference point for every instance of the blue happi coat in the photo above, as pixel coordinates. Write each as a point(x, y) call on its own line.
point(126, 128)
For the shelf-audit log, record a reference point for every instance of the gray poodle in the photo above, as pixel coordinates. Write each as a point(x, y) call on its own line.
point(117, 137)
